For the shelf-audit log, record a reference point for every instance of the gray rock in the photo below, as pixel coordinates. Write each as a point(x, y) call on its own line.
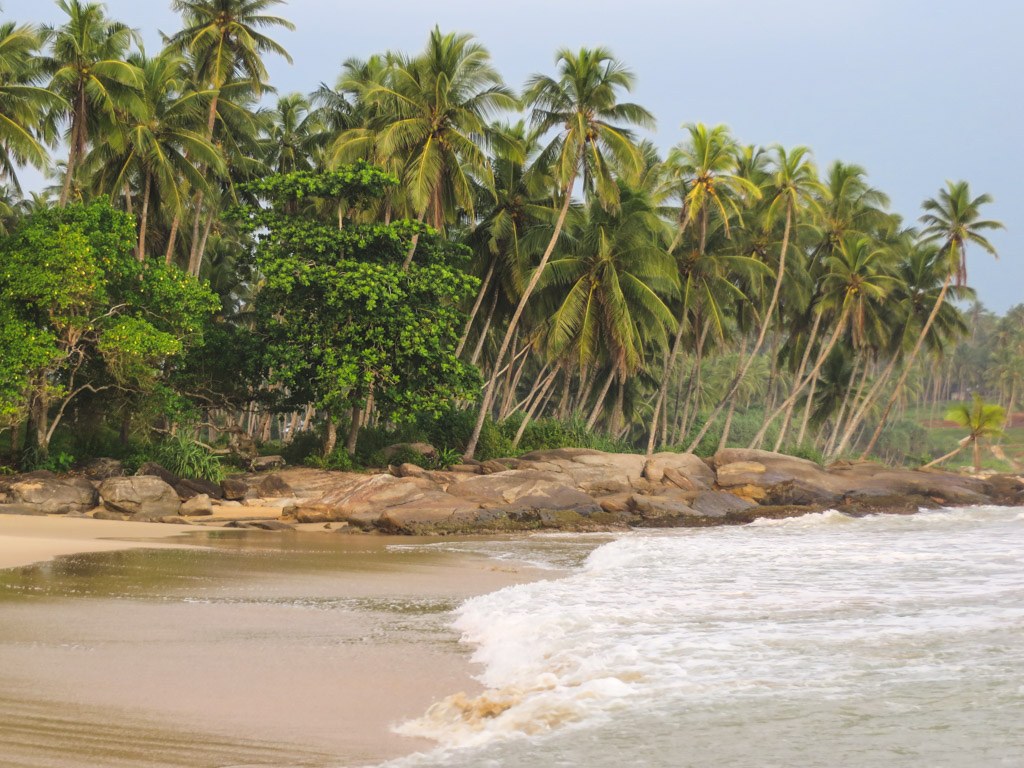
point(266, 463)
point(234, 488)
point(273, 486)
point(187, 487)
point(152, 469)
point(106, 514)
point(49, 494)
point(197, 506)
point(102, 468)
point(142, 497)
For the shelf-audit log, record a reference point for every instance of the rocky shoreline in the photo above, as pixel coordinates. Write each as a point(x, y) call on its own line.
point(565, 489)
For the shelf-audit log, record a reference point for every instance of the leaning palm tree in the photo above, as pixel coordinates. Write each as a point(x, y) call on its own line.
point(954, 219)
point(589, 121)
point(704, 171)
point(793, 187)
point(981, 420)
point(89, 70)
point(23, 101)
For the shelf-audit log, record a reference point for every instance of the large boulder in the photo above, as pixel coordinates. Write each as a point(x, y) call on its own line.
point(46, 493)
point(870, 485)
point(684, 470)
point(144, 497)
point(363, 500)
point(774, 478)
point(593, 472)
point(524, 490)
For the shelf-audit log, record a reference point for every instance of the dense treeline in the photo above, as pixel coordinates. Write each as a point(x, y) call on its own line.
point(420, 252)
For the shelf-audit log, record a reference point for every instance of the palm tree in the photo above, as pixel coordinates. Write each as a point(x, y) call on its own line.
point(981, 419)
point(293, 135)
point(704, 169)
point(954, 219)
point(162, 145)
point(612, 283)
point(225, 44)
point(89, 70)
point(793, 187)
point(582, 106)
point(23, 101)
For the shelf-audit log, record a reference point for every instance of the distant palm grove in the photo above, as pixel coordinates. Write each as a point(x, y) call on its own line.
point(418, 252)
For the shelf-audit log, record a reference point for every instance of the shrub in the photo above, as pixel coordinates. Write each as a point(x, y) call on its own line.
point(186, 458)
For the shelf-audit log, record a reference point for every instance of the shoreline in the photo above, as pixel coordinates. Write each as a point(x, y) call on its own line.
point(327, 688)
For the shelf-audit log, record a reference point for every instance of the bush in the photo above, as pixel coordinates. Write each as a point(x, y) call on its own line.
point(186, 458)
point(338, 460)
point(303, 446)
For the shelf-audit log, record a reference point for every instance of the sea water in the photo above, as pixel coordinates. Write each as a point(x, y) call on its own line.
point(824, 640)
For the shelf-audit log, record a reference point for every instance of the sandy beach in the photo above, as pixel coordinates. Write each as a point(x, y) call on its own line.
point(224, 647)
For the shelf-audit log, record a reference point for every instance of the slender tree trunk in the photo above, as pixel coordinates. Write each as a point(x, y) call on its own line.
point(960, 446)
point(769, 314)
point(483, 332)
point(659, 402)
point(799, 375)
point(723, 441)
point(77, 142)
point(414, 243)
point(536, 403)
point(861, 408)
point(822, 357)
point(843, 406)
point(353, 431)
point(330, 433)
point(907, 366)
point(599, 405)
point(171, 240)
point(140, 250)
point(513, 325)
point(473, 312)
point(807, 411)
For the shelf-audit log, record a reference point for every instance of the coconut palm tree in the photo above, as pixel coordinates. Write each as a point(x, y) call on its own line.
point(954, 219)
point(703, 170)
point(23, 101)
point(793, 188)
point(582, 107)
point(89, 70)
point(163, 143)
point(293, 136)
point(981, 420)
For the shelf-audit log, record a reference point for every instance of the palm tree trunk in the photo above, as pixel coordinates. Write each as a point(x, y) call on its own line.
point(807, 411)
point(483, 333)
point(171, 239)
point(799, 374)
point(599, 405)
point(476, 308)
point(822, 357)
point(513, 326)
point(765, 324)
point(659, 402)
point(723, 441)
point(907, 366)
point(536, 403)
point(140, 251)
point(77, 143)
point(960, 446)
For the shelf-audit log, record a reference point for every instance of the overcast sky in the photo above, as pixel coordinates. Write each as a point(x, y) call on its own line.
point(916, 91)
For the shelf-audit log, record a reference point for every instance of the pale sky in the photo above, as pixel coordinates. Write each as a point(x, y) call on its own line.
point(916, 91)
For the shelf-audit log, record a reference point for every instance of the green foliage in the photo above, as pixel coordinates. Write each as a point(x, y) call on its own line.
point(57, 461)
point(338, 460)
point(544, 434)
point(340, 316)
point(186, 458)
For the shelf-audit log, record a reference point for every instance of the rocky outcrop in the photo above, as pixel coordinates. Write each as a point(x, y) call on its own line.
point(565, 489)
point(43, 492)
point(144, 497)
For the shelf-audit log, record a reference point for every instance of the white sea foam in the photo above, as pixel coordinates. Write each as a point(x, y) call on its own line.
point(765, 627)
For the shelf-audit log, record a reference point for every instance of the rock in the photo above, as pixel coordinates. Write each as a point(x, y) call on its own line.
point(469, 469)
point(234, 488)
point(590, 471)
point(719, 503)
point(519, 490)
point(187, 487)
point(153, 469)
point(409, 470)
point(872, 486)
point(102, 468)
point(313, 515)
point(684, 469)
point(273, 486)
point(776, 479)
point(491, 466)
point(108, 514)
point(142, 497)
point(617, 503)
point(8, 508)
point(266, 463)
point(49, 494)
point(653, 471)
point(169, 519)
point(426, 450)
point(197, 506)
point(271, 525)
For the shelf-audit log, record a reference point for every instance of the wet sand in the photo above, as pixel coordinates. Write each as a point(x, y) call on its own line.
point(247, 648)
